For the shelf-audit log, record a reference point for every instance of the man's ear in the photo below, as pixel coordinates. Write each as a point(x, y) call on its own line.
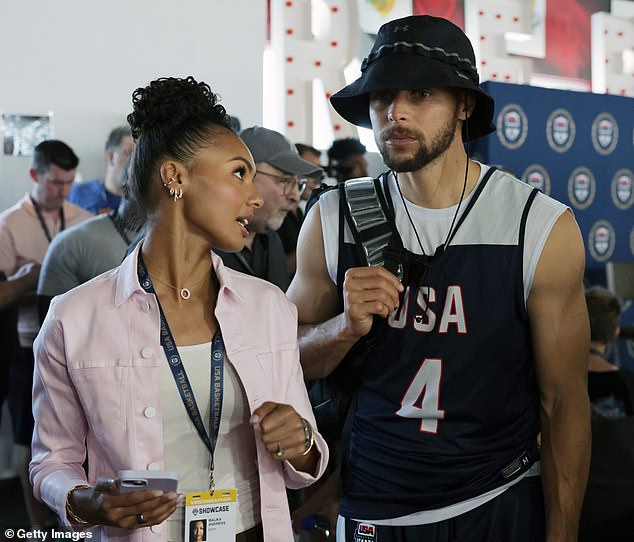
point(33, 173)
point(110, 158)
point(468, 104)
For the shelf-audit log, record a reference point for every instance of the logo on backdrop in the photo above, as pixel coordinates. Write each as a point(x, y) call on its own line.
point(601, 240)
point(560, 130)
point(622, 192)
point(605, 133)
point(537, 177)
point(512, 126)
point(581, 188)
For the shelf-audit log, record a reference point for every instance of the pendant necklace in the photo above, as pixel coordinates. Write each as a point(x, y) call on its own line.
point(184, 293)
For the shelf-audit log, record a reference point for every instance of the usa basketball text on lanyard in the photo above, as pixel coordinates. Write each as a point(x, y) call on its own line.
point(182, 381)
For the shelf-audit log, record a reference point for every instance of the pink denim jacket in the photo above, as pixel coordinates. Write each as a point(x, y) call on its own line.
point(97, 381)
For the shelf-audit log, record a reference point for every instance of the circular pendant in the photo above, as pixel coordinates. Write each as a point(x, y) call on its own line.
point(185, 293)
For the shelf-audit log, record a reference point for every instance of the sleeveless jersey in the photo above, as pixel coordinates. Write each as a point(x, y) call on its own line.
point(447, 407)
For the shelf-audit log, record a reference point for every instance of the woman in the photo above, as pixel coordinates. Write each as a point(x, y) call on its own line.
point(197, 531)
point(104, 390)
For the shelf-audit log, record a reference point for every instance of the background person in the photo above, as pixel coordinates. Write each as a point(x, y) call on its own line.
point(112, 396)
point(104, 195)
point(280, 179)
point(346, 159)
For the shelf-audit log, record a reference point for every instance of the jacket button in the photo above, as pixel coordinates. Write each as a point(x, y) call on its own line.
point(147, 352)
point(145, 306)
point(157, 528)
point(153, 466)
point(149, 412)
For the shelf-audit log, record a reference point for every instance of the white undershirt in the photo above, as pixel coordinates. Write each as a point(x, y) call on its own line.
point(235, 458)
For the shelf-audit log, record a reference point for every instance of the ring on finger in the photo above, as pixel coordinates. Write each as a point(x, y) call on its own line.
point(140, 519)
point(280, 451)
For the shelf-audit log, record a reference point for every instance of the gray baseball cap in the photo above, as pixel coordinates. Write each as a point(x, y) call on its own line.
point(273, 148)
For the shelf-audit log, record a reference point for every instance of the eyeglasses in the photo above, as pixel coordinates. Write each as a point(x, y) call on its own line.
point(288, 182)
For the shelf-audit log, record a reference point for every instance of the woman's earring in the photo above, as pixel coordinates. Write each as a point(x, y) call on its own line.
point(176, 192)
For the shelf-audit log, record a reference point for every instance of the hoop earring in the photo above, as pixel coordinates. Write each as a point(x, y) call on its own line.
point(177, 193)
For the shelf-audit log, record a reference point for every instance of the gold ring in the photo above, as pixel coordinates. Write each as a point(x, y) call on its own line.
point(280, 451)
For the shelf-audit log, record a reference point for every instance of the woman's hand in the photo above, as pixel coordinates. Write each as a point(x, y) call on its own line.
point(103, 505)
point(282, 432)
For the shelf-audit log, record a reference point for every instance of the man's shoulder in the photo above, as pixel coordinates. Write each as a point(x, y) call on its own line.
point(15, 215)
point(87, 231)
point(75, 213)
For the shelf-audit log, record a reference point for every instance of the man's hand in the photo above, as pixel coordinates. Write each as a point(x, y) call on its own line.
point(368, 291)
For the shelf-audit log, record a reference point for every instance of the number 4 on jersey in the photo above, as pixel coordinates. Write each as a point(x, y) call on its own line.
point(424, 390)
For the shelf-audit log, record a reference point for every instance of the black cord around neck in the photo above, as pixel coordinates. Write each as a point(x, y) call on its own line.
point(455, 216)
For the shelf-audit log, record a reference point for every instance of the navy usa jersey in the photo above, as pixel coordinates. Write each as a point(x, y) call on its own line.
point(447, 408)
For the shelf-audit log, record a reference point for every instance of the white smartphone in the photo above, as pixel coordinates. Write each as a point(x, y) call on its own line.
point(140, 480)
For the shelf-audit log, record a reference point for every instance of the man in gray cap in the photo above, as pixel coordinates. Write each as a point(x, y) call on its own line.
point(460, 290)
point(280, 179)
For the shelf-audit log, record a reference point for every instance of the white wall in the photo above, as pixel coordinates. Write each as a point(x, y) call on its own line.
point(82, 60)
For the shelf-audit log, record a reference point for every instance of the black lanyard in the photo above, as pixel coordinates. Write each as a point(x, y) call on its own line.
point(117, 222)
point(182, 381)
point(40, 216)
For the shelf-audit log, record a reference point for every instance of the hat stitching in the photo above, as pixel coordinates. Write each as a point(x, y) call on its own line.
point(415, 48)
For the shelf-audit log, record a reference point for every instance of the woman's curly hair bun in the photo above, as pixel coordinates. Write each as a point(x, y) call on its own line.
point(168, 102)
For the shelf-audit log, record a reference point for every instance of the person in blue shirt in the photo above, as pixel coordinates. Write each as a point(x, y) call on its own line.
point(102, 196)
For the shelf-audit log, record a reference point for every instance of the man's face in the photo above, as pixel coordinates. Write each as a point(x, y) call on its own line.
point(52, 186)
point(355, 166)
point(280, 193)
point(414, 127)
point(119, 158)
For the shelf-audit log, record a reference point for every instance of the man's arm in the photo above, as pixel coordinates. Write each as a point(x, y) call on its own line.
point(326, 332)
point(19, 285)
point(560, 330)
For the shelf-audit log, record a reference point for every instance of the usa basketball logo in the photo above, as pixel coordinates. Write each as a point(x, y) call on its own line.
point(560, 130)
point(601, 240)
point(537, 177)
point(622, 192)
point(605, 133)
point(174, 360)
point(365, 532)
point(581, 188)
point(512, 126)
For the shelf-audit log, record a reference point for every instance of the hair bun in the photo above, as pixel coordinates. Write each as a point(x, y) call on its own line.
point(168, 102)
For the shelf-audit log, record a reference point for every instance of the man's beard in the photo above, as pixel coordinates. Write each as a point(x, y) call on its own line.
point(425, 153)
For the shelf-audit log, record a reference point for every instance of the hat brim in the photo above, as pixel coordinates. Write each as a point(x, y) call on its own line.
point(293, 164)
point(411, 72)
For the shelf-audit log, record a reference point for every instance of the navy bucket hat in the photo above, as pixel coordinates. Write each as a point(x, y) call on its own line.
point(417, 52)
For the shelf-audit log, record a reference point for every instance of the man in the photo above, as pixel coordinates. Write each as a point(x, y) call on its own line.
point(26, 229)
point(346, 159)
point(99, 196)
point(280, 179)
point(289, 230)
point(85, 251)
point(485, 341)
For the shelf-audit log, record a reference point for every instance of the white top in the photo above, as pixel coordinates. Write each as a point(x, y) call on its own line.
point(235, 462)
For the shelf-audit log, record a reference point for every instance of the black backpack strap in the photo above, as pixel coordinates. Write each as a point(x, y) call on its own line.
point(367, 215)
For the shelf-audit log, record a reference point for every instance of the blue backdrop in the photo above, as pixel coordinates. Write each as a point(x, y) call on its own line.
point(577, 147)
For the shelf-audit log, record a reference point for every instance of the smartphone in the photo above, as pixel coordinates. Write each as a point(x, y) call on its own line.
point(140, 480)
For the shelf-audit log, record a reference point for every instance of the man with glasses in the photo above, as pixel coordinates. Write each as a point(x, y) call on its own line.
point(281, 177)
point(102, 196)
